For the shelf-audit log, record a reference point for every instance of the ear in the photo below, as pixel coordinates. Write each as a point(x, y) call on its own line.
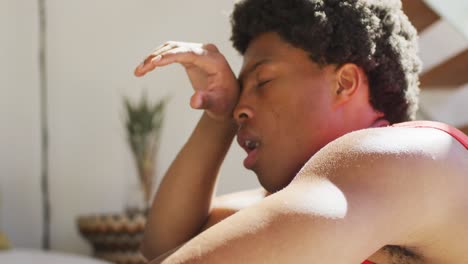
point(350, 78)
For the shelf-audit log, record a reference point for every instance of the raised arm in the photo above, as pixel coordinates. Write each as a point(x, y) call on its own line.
point(182, 204)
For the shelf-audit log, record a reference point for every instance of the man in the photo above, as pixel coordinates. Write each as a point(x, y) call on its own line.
point(320, 84)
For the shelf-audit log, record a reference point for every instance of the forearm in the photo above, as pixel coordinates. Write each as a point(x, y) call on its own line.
point(182, 203)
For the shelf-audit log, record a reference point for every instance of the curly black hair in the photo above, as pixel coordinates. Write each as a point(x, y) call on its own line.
point(374, 34)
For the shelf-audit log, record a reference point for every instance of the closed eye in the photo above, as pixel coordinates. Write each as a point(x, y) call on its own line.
point(262, 83)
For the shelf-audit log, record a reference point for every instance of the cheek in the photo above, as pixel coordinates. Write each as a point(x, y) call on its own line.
point(309, 116)
point(287, 123)
point(310, 102)
point(295, 110)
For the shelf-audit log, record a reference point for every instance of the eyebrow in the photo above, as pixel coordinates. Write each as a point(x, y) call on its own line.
point(250, 70)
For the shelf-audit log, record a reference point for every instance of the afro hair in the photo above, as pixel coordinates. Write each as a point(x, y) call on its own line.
point(374, 34)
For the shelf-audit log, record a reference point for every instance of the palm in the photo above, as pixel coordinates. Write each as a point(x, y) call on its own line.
point(219, 87)
point(198, 77)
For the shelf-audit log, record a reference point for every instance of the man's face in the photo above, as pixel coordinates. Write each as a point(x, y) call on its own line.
point(285, 110)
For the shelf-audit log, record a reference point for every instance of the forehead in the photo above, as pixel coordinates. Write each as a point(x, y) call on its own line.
point(265, 47)
point(270, 48)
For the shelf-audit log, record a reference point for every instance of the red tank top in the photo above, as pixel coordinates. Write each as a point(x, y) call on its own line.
point(455, 133)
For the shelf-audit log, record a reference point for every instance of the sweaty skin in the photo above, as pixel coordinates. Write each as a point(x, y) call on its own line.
point(339, 194)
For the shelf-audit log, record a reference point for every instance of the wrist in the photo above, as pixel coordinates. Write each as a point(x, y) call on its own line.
point(225, 127)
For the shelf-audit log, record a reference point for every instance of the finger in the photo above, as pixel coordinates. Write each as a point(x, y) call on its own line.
point(186, 57)
point(161, 50)
point(181, 55)
point(173, 44)
point(143, 68)
point(200, 100)
point(138, 70)
point(170, 45)
point(196, 101)
point(154, 55)
point(147, 65)
point(160, 47)
point(211, 47)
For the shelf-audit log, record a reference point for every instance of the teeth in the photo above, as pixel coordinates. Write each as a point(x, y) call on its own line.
point(250, 144)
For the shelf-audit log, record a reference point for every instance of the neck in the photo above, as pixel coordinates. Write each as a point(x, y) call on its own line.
point(380, 122)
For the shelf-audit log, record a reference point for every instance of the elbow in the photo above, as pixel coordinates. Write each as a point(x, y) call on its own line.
point(149, 251)
point(145, 252)
point(158, 255)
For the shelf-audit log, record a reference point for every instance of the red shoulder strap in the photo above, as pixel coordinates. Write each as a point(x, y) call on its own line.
point(457, 134)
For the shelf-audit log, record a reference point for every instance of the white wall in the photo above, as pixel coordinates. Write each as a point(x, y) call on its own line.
point(93, 49)
point(20, 208)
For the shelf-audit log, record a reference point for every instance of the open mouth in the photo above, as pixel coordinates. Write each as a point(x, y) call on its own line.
point(250, 145)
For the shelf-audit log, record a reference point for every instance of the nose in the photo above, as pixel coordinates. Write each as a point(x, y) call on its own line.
point(242, 113)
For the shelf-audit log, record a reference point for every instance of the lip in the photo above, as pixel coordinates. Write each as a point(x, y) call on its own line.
point(251, 158)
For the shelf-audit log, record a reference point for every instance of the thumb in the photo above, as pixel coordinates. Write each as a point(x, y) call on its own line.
point(200, 100)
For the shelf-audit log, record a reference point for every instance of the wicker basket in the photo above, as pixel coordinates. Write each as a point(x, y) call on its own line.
point(115, 237)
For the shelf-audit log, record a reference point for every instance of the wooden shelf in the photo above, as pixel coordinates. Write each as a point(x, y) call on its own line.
point(419, 13)
point(450, 74)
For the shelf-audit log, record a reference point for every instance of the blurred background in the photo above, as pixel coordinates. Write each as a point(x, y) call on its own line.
point(92, 49)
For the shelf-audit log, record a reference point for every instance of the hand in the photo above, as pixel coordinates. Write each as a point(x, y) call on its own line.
point(216, 87)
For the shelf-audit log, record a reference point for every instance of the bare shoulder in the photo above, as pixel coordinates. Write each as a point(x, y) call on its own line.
point(386, 148)
point(415, 173)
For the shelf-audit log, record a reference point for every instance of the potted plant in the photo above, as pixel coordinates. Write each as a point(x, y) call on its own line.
point(143, 125)
point(117, 237)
